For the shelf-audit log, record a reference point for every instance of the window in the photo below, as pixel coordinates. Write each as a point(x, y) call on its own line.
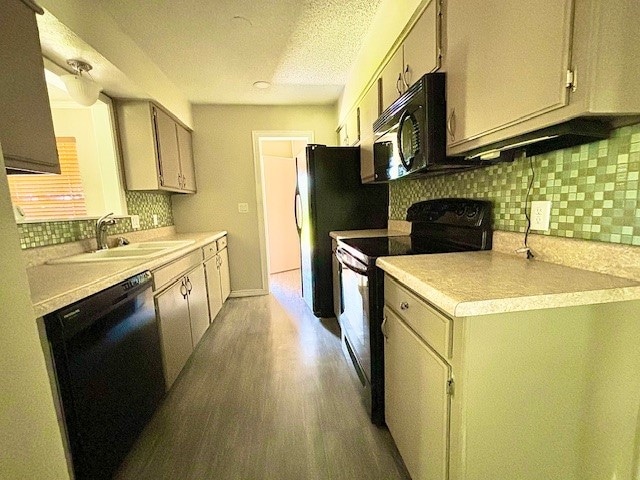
point(90, 184)
point(52, 196)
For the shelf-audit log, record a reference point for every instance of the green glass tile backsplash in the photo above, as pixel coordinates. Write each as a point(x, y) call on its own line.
point(593, 189)
point(144, 204)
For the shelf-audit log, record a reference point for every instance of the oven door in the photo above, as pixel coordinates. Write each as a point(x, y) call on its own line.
point(354, 314)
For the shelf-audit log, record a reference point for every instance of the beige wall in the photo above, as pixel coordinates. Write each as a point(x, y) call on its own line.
point(223, 151)
point(30, 439)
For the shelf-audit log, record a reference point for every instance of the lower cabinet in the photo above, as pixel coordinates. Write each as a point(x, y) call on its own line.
point(172, 307)
point(538, 394)
point(417, 406)
point(216, 266)
point(182, 310)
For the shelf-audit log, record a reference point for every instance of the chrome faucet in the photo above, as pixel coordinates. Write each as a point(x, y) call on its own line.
point(101, 230)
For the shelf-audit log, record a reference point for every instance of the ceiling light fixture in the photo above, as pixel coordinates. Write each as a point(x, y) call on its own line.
point(261, 84)
point(81, 88)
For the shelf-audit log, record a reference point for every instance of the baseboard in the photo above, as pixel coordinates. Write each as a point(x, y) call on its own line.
point(249, 293)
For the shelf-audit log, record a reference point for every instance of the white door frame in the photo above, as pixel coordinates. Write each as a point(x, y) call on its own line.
point(258, 136)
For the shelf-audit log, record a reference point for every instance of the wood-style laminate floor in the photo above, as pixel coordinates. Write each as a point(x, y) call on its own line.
point(267, 394)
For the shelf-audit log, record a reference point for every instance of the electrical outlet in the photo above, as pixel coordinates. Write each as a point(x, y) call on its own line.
point(135, 222)
point(540, 215)
point(155, 219)
point(243, 207)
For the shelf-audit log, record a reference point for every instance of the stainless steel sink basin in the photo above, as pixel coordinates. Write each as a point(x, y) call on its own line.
point(140, 250)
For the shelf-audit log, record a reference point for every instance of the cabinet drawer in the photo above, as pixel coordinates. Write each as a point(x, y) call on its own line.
point(163, 275)
point(209, 250)
point(433, 327)
point(222, 243)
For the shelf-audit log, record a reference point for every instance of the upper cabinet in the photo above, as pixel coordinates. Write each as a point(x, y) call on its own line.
point(369, 112)
point(26, 128)
point(153, 141)
point(519, 66)
point(419, 53)
point(349, 132)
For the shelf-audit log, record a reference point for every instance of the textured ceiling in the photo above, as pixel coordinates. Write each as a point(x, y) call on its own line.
point(214, 50)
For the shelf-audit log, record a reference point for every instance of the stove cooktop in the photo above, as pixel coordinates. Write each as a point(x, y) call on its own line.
point(368, 249)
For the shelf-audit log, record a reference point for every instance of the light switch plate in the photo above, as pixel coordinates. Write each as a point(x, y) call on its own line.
point(540, 215)
point(243, 207)
point(135, 222)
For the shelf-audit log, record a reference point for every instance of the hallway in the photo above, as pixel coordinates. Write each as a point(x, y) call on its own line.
point(267, 394)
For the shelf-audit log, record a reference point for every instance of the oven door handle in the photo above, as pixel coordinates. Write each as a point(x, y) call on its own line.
point(346, 260)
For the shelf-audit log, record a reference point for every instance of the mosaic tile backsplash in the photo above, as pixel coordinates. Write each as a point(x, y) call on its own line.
point(593, 189)
point(144, 204)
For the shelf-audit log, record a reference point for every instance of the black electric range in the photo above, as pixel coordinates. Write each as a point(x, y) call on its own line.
point(437, 226)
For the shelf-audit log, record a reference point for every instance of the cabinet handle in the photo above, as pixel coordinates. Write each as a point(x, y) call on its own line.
point(384, 329)
point(399, 84)
point(188, 285)
point(451, 124)
point(404, 75)
point(183, 289)
point(404, 306)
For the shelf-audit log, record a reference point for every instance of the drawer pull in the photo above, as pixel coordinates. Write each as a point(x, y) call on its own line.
point(404, 306)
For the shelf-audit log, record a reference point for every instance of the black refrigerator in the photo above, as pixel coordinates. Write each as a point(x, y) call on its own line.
point(329, 197)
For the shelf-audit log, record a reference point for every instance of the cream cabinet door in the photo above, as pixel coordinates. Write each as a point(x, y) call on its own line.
point(225, 281)
point(214, 289)
point(175, 329)
point(502, 72)
point(187, 167)
point(417, 405)
point(422, 46)
point(198, 303)
point(368, 115)
point(26, 126)
point(392, 85)
point(168, 154)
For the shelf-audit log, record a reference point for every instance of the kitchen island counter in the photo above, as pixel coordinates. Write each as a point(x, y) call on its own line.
point(488, 282)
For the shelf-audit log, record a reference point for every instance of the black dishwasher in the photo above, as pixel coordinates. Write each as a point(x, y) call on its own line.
point(108, 364)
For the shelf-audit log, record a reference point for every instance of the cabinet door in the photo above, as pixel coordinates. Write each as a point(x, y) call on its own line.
point(175, 329)
point(422, 46)
point(225, 282)
point(214, 288)
point(167, 144)
point(343, 137)
point(187, 168)
point(198, 304)
point(500, 73)
point(368, 115)
point(392, 86)
point(353, 127)
point(26, 127)
point(417, 406)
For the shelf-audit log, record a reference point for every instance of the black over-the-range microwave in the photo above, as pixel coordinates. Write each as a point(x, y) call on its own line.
point(410, 135)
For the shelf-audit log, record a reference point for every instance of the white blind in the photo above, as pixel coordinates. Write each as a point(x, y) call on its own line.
point(44, 196)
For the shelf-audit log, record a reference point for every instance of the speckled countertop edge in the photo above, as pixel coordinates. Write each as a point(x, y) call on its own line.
point(482, 283)
point(56, 286)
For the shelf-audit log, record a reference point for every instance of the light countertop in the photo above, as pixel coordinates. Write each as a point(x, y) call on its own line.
point(481, 283)
point(381, 232)
point(55, 286)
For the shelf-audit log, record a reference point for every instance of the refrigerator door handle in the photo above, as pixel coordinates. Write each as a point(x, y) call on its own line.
point(297, 205)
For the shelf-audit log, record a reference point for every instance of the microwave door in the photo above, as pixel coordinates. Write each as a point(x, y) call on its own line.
point(386, 158)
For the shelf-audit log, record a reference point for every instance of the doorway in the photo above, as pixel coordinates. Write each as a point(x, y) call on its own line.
point(274, 156)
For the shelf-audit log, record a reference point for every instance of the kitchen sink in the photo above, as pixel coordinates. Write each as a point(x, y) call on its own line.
point(140, 250)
